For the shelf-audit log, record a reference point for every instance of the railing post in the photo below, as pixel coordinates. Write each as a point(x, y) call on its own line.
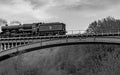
point(12, 45)
point(4, 46)
point(8, 45)
point(1, 47)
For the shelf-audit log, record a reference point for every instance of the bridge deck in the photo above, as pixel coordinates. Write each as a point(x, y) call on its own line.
point(15, 45)
point(56, 42)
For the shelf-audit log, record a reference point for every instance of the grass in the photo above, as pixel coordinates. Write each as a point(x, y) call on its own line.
point(67, 60)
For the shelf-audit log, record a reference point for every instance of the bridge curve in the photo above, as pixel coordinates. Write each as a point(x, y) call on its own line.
point(57, 42)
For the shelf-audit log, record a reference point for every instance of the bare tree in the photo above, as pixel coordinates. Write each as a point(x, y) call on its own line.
point(106, 25)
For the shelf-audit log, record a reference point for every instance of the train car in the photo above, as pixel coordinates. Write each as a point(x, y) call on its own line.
point(18, 30)
point(34, 29)
point(10, 28)
point(52, 29)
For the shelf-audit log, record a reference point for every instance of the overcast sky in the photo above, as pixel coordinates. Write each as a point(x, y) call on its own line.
point(76, 14)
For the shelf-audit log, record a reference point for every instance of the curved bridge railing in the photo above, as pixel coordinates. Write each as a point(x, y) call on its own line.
point(57, 42)
point(8, 43)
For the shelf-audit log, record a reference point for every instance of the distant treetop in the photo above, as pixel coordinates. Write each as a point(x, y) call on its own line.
point(106, 25)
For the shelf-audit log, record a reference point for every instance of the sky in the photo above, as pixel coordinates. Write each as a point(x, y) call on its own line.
point(76, 14)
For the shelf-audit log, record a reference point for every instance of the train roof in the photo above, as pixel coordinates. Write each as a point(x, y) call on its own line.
point(53, 23)
point(30, 24)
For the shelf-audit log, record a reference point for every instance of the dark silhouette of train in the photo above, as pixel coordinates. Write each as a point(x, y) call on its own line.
point(34, 29)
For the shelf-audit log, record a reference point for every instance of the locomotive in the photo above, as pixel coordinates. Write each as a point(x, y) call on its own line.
point(33, 29)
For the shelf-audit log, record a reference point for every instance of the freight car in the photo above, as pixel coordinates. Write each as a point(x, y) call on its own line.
point(34, 29)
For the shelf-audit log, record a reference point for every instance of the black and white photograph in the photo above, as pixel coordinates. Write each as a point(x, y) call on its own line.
point(59, 37)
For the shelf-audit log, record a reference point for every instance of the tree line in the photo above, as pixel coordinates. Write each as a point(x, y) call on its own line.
point(106, 25)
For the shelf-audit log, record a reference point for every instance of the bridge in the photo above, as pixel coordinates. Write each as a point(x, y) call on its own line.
point(10, 47)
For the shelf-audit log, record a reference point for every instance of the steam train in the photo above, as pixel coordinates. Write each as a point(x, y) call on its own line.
point(33, 29)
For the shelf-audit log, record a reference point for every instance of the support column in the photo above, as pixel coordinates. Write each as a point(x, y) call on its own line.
point(0, 46)
point(4, 46)
point(8, 45)
point(16, 44)
point(12, 45)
